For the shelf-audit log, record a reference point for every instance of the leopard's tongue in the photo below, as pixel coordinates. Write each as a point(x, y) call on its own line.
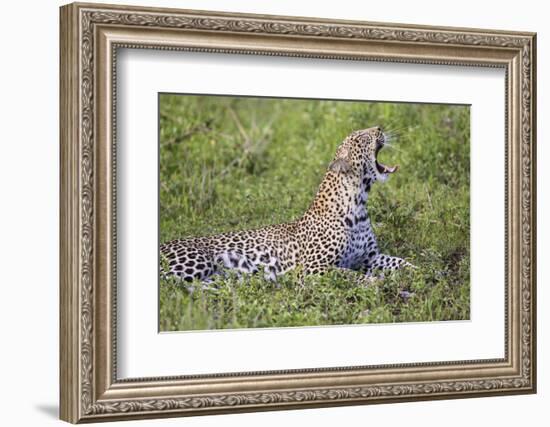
point(382, 168)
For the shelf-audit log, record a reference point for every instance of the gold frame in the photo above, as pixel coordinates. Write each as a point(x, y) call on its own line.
point(90, 36)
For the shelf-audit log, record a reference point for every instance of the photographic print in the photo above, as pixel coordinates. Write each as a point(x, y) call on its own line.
point(309, 219)
point(305, 212)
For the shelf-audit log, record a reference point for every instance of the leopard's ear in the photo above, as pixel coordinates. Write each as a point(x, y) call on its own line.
point(340, 165)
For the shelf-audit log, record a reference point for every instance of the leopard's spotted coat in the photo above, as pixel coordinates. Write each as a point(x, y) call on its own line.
point(334, 232)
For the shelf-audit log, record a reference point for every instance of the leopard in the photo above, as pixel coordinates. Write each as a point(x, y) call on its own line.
point(334, 232)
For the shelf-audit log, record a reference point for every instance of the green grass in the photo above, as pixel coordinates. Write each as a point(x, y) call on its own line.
point(230, 163)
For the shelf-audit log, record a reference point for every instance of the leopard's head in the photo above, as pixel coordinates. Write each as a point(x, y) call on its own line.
point(358, 155)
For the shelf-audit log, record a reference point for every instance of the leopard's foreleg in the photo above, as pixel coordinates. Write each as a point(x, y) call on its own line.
point(386, 262)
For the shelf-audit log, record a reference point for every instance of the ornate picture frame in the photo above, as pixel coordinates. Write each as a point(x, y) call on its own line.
point(90, 37)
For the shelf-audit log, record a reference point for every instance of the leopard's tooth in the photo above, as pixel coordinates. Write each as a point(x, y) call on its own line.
point(393, 169)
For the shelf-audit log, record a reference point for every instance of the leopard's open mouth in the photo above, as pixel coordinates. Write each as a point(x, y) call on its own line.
point(381, 167)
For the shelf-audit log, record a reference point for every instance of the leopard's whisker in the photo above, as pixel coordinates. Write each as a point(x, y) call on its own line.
point(392, 138)
point(397, 130)
point(391, 129)
point(393, 135)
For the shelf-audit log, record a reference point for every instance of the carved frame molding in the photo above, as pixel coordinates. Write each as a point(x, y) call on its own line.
point(90, 36)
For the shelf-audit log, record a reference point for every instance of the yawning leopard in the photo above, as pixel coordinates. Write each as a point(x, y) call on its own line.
point(334, 232)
